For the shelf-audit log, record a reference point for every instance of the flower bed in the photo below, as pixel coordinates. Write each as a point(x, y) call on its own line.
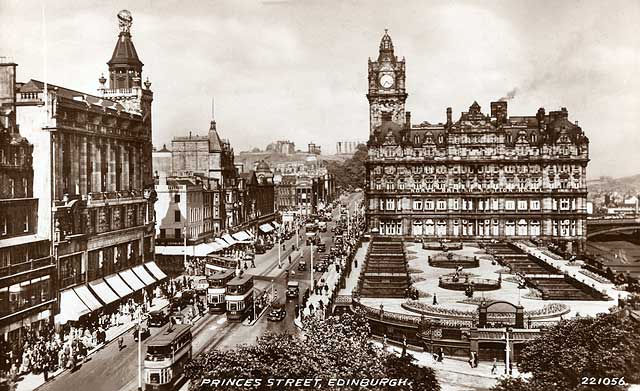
point(551, 310)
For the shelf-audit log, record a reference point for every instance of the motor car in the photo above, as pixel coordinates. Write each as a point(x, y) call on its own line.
point(288, 235)
point(320, 267)
point(302, 266)
point(144, 333)
point(260, 249)
point(334, 250)
point(322, 247)
point(158, 318)
point(249, 256)
point(188, 296)
point(293, 289)
point(277, 314)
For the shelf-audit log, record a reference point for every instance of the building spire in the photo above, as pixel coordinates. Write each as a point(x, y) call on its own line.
point(386, 47)
point(125, 68)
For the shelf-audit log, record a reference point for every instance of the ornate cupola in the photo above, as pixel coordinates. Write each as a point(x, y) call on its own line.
point(125, 68)
point(386, 48)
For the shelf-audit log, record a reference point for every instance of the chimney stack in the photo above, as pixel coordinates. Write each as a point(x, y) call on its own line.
point(449, 121)
point(407, 118)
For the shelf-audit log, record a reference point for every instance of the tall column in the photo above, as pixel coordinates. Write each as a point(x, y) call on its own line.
point(83, 163)
point(134, 166)
point(97, 164)
point(60, 139)
point(125, 168)
point(76, 163)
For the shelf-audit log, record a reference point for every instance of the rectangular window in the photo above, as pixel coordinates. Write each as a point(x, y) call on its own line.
point(565, 204)
point(26, 222)
point(176, 215)
point(390, 204)
point(442, 204)
point(509, 205)
point(535, 205)
point(417, 204)
point(428, 205)
point(177, 233)
point(522, 204)
point(163, 233)
point(176, 198)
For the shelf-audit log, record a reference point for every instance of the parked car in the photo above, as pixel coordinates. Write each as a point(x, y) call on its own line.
point(277, 314)
point(320, 267)
point(144, 333)
point(260, 249)
point(322, 247)
point(302, 266)
point(158, 318)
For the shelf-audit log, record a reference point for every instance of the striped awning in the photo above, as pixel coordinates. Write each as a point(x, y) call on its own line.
point(227, 238)
point(222, 243)
point(144, 275)
point(155, 271)
point(71, 306)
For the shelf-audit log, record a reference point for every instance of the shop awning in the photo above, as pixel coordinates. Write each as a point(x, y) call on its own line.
point(102, 290)
point(201, 250)
point(215, 247)
point(266, 228)
point(155, 271)
point(227, 238)
point(144, 275)
point(242, 236)
point(130, 278)
point(118, 285)
point(71, 307)
point(87, 297)
point(222, 243)
point(173, 250)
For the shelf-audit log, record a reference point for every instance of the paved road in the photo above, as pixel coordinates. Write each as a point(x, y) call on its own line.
point(112, 370)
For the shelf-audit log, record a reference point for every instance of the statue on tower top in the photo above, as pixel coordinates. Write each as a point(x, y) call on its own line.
point(124, 21)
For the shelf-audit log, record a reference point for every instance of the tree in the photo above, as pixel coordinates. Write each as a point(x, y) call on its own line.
point(602, 347)
point(334, 348)
point(350, 173)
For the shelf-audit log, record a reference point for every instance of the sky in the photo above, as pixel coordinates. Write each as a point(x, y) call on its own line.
point(297, 69)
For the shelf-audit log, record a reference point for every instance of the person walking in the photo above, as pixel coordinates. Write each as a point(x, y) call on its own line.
point(120, 342)
point(494, 366)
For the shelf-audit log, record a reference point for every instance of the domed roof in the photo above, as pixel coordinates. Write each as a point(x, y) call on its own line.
point(263, 166)
point(386, 43)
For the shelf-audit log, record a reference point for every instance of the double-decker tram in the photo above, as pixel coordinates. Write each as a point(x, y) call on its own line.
point(217, 290)
point(167, 354)
point(239, 298)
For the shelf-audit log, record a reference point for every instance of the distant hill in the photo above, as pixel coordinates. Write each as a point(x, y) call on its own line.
point(628, 184)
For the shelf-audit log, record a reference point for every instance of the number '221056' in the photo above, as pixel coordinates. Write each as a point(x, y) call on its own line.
point(607, 381)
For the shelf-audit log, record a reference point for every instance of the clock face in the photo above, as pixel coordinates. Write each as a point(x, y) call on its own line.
point(386, 81)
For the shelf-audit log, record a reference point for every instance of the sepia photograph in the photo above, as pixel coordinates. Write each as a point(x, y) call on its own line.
point(340, 195)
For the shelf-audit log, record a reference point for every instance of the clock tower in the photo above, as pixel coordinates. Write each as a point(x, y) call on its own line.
point(387, 93)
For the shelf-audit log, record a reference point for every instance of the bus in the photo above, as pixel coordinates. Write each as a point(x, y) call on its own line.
point(216, 291)
point(167, 354)
point(239, 298)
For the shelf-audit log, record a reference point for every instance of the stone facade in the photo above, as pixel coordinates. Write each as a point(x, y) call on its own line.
point(483, 176)
point(93, 169)
point(27, 270)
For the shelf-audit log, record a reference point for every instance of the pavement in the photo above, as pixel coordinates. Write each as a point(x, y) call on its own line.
point(31, 381)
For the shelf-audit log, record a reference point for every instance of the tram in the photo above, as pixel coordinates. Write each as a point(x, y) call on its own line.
point(167, 354)
point(239, 298)
point(217, 290)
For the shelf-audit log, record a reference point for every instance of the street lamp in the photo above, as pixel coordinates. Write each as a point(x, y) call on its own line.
point(507, 351)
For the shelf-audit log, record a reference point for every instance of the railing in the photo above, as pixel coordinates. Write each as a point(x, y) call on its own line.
point(26, 266)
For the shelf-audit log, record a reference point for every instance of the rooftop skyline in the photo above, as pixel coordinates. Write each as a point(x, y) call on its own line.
point(298, 70)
